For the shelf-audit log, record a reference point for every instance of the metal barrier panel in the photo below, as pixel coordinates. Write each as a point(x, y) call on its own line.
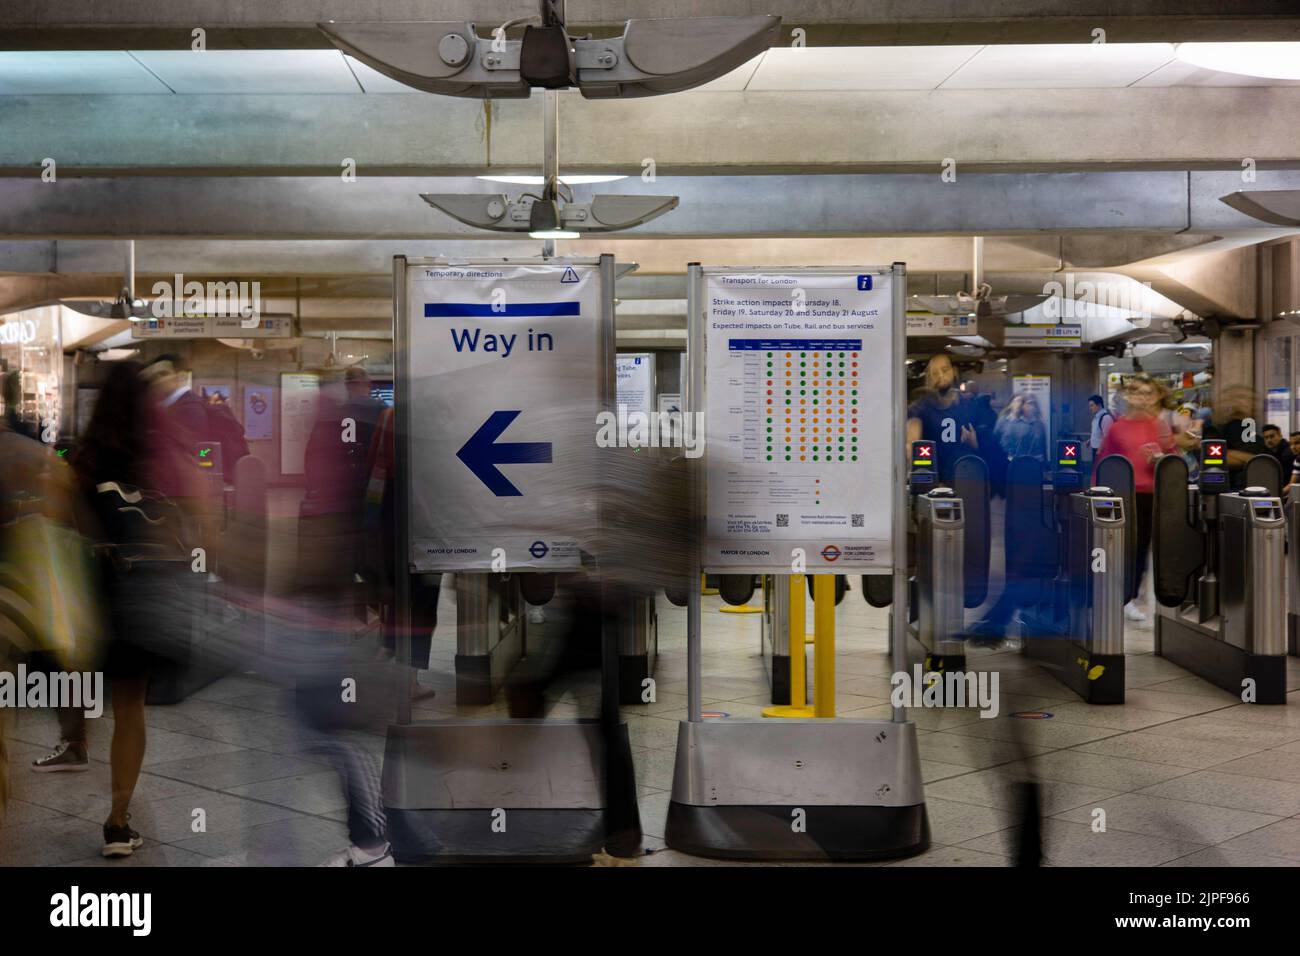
point(1264, 471)
point(1177, 549)
point(940, 553)
point(971, 484)
point(1116, 473)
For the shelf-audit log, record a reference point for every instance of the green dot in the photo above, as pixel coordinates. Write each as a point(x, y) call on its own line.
point(814, 401)
point(769, 421)
point(802, 392)
point(814, 457)
point(841, 457)
point(803, 354)
point(802, 365)
point(787, 457)
point(855, 457)
point(769, 457)
point(855, 401)
point(769, 355)
point(787, 391)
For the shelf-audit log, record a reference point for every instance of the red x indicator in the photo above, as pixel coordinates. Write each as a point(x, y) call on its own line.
point(924, 451)
point(1215, 451)
point(1071, 451)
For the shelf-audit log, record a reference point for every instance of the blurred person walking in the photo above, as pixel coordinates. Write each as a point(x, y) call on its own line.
point(1142, 437)
point(1020, 431)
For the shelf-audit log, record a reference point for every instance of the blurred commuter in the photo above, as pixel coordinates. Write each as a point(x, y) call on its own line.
point(380, 516)
point(1143, 438)
point(1182, 428)
point(13, 401)
point(985, 420)
point(944, 416)
point(25, 483)
point(312, 631)
point(1020, 431)
point(364, 410)
point(1101, 419)
point(178, 422)
point(144, 540)
point(225, 429)
point(1233, 421)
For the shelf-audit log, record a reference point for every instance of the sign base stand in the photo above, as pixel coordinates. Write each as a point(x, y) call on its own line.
point(783, 790)
point(507, 790)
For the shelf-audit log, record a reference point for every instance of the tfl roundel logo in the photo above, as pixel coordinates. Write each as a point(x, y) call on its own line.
point(830, 552)
point(538, 549)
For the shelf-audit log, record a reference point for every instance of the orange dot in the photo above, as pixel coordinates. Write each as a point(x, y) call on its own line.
point(787, 354)
point(802, 458)
point(802, 430)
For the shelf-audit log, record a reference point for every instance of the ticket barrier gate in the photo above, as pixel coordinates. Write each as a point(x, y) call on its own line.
point(638, 647)
point(1292, 506)
point(491, 630)
point(1218, 574)
point(948, 554)
point(1070, 568)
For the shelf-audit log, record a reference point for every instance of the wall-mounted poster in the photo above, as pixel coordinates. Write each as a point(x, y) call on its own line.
point(218, 393)
point(259, 419)
point(299, 392)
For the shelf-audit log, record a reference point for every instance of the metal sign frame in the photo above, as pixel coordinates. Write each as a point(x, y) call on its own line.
point(695, 400)
point(603, 398)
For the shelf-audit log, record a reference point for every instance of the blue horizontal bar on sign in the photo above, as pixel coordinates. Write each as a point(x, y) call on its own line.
point(820, 345)
point(459, 310)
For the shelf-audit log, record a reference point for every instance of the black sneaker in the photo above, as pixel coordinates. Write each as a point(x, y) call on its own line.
point(66, 757)
point(120, 841)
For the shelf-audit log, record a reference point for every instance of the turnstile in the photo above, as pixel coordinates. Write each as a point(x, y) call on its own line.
point(1292, 507)
point(491, 633)
point(948, 555)
point(940, 580)
point(1218, 561)
point(1069, 568)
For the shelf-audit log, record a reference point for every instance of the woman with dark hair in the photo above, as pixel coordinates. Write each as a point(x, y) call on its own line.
point(118, 464)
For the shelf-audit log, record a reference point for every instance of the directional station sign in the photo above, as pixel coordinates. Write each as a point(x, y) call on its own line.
point(505, 379)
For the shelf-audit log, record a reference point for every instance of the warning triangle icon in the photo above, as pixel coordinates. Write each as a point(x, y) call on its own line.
point(569, 275)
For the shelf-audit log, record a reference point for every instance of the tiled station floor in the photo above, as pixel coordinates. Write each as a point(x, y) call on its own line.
point(1187, 775)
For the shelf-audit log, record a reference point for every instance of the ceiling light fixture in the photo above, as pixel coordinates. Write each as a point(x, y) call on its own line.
point(1274, 61)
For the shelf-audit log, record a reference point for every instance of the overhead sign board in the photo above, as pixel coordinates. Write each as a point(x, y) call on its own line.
point(801, 432)
point(213, 327)
point(930, 324)
point(1065, 335)
point(505, 383)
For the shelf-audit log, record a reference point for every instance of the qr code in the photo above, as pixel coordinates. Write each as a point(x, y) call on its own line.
point(857, 520)
point(783, 521)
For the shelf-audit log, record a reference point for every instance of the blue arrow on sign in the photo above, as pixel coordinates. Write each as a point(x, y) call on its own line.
point(481, 454)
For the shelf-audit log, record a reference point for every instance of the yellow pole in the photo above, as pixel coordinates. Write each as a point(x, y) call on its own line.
point(798, 610)
point(798, 660)
point(824, 645)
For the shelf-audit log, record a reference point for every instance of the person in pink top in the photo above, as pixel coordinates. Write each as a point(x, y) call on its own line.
point(1143, 438)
